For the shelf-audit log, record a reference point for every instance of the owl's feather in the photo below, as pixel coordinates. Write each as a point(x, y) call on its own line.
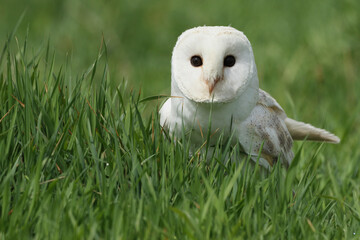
point(305, 131)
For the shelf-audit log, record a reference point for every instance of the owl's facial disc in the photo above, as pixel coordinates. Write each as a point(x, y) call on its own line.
point(213, 64)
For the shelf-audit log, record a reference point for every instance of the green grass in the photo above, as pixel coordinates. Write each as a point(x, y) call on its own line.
point(82, 157)
point(80, 161)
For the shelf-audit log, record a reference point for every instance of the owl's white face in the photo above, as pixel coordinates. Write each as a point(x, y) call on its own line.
point(213, 64)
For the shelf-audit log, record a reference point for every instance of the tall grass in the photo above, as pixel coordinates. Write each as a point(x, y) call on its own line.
point(80, 160)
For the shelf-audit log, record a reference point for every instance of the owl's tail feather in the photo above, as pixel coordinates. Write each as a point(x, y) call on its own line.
point(304, 131)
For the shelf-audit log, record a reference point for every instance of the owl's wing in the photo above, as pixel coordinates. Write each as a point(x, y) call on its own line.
point(298, 130)
point(165, 114)
point(265, 131)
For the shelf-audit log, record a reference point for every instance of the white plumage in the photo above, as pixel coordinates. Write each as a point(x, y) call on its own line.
point(213, 70)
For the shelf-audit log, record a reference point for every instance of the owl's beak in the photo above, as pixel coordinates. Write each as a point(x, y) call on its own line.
point(212, 84)
point(213, 71)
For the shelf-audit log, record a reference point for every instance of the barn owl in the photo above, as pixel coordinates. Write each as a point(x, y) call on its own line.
point(213, 74)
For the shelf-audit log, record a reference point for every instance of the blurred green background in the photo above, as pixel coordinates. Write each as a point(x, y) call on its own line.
point(307, 52)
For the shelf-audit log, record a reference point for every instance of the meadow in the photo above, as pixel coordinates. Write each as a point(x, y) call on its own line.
point(82, 152)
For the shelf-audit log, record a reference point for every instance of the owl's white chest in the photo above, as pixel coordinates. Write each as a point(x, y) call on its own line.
point(186, 115)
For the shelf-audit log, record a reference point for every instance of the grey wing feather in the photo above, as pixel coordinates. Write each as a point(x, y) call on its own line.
point(305, 131)
point(266, 129)
point(298, 130)
point(266, 100)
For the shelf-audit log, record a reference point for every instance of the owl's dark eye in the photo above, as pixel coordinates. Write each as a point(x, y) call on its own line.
point(196, 61)
point(229, 61)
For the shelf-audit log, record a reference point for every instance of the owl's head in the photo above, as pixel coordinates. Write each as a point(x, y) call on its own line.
point(213, 64)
